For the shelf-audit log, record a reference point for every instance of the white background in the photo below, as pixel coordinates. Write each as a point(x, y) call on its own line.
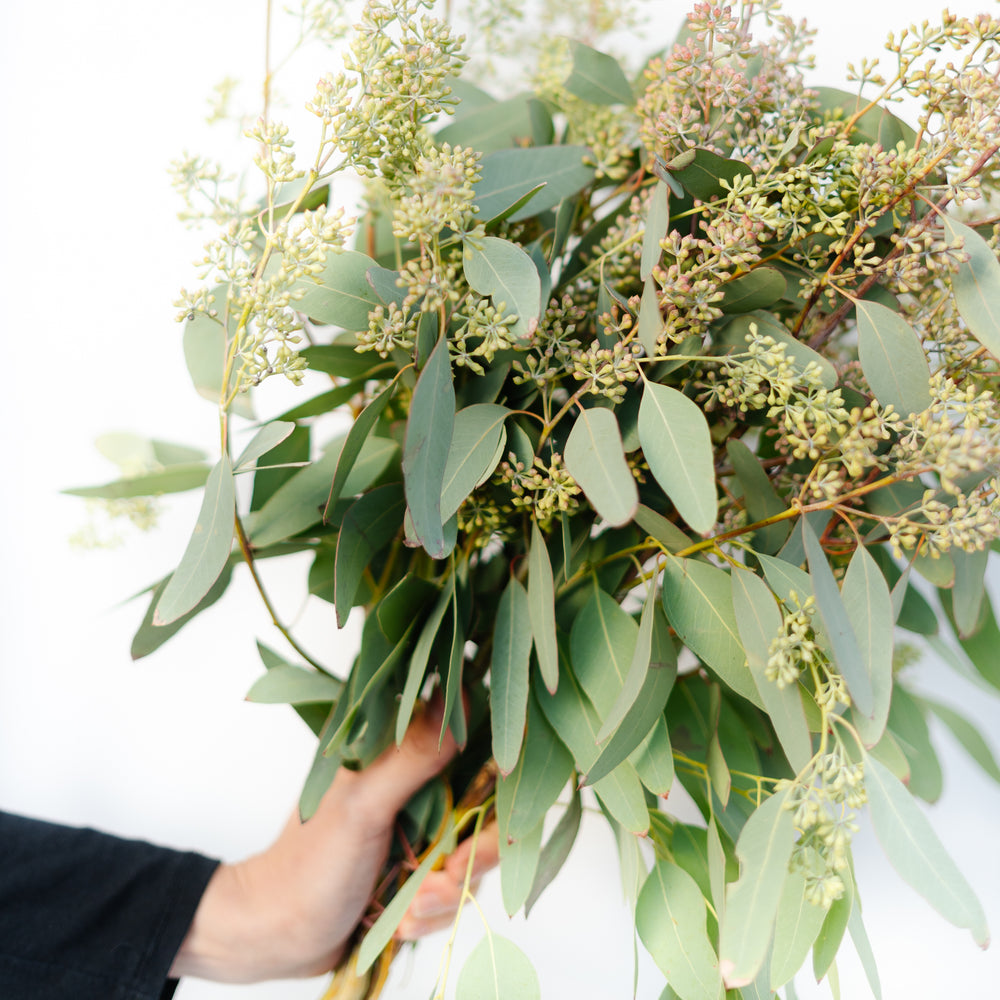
point(97, 98)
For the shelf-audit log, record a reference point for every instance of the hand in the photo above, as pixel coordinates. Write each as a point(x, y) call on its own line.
point(289, 911)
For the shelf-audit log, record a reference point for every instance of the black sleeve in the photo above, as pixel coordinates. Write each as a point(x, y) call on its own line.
point(88, 916)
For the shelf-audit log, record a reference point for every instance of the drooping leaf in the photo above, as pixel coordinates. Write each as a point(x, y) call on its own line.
point(977, 285)
point(909, 728)
point(420, 657)
point(969, 588)
point(597, 77)
point(670, 919)
point(207, 551)
point(541, 607)
point(980, 647)
point(509, 174)
point(759, 622)
point(504, 272)
point(837, 625)
point(596, 460)
point(657, 221)
point(859, 936)
point(425, 449)
point(290, 685)
point(796, 926)
point(268, 437)
point(831, 933)
point(370, 523)
point(602, 642)
point(363, 425)
point(556, 850)
point(653, 758)
point(497, 970)
point(178, 479)
point(473, 452)
point(382, 930)
point(545, 765)
point(757, 289)
point(698, 601)
point(892, 359)
point(341, 294)
point(913, 849)
point(650, 324)
point(763, 849)
point(967, 735)
point(678, 447)
point(518, 865)
point(868, 604)
point(509, 675)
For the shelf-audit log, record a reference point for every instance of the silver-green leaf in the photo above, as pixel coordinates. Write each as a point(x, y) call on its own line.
point(595, 458)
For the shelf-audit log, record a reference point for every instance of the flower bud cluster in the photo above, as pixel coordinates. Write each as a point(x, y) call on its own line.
point(607, 370)
point(276, 160)
point(819, 801)
point(544, 489)
point(389, 329)
point(205, 189)
point(794, 648)
point(485, 331)
point(439, 195)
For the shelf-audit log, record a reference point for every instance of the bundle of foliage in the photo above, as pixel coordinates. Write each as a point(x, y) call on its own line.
point(670, 406)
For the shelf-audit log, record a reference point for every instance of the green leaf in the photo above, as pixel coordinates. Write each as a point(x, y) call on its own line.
point(289, 685)
point(355, 440)
point(510, 174)
point(864, 949)
point(149, 637)
point(376, 940)
point(420, 657)
point(504, 272)
point(509, 675)
point(541, 608)
point(670, 919)
point(342, 360)
point(205, 355)
point(665, 532)
point(176, 479)
point(918, 856)
point(698, 601)
point(969, 588)
point(653, 758)
point(596, 460)
point(868, 604)
point(341, 294)
point(892, 359)
point(425, 449)
point(473, 453)
point(980, 647)
point(837, 626)
point(650, 323)
point(543, 768)
point(700, 170)
point(678, 447)
point(268, 437)
point(657, 221)
point(796, 927)
point(909, 727)
point(518, 865)
point(977, 285)
point(757, 289)
point(759, 622)
point(206, 552)
point(299, 502)
point(518, 122)
point(763, 848)
point(602, 642)
point(759, 496)
point(597, 77)
point(831, 933)
point(371, 523)
point(967, 735)
point(497, 970)
point(556, 850)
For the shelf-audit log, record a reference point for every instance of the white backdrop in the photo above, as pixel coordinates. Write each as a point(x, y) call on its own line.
point(97, 98)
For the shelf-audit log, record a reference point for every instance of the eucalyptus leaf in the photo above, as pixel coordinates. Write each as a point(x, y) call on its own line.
point(429, 431)
point(473, 452)
point(967, 735)
point(796, 927)
point(761, 499)
point(503, 271)
point(207, 551)
point(657, 221)
point(977, 285)
point(596, 460)
point(509, 675)
point(602, 643)
point(177, 479)
point(556, 850)
point(541, 608)
point(699, 172)
point(764, 848)
point(340, 295)
point(650, 323)
point(268, 437)
point(918, 856)
point(497, 969)
point(678, 447)
point(517, 122)
point(290, 685)
point(205, 352)
point(597, 77)
point(670, 919)
point(518, 864)
point(892, 359)
point(756, 289)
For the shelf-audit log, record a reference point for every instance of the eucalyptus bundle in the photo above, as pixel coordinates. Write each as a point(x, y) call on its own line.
point(671, 439)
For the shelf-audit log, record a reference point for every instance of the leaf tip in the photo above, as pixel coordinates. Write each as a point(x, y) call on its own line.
point(726, 967)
